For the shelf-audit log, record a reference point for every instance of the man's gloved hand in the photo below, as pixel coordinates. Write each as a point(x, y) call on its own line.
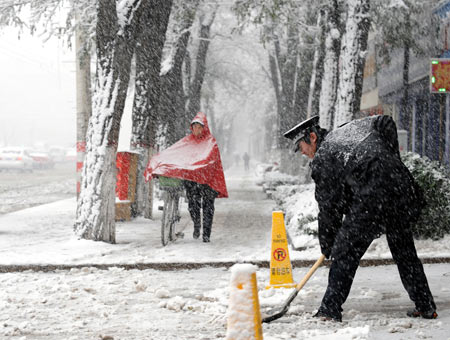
point(326, 251)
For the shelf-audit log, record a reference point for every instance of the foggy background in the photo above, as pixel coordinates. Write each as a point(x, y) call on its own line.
point(38, 90)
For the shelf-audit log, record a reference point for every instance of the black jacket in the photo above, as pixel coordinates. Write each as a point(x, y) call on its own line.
point(358, 173)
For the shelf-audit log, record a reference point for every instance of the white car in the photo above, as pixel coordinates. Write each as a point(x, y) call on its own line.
point(71, 155)
point(15, 158)
point(41, 160)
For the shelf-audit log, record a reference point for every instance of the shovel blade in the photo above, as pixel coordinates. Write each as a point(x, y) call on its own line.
point(274, 314)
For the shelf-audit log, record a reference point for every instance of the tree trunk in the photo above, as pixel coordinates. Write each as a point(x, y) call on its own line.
point(288, 71)
point(173, 99)
point(330, 77)
point(149, 47)
point(353, 49)
point(363, 28)
point(305, 75)
point(84, 100)
point(275, 80)
point(276, 87)
point(115, 42)
point(200, 64)
point(288, 79)
point(208, 98)
point(315, 84)
point(405, 107)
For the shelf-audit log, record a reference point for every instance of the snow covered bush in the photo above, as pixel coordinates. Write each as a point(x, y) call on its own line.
point(300, 208)
point(261, 169)
point(434, 179)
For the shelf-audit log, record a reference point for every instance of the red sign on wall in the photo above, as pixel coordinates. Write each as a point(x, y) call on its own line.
point(440, 75)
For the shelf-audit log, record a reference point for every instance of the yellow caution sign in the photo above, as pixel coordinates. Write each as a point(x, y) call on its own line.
point(280, 263)
point(243, 315)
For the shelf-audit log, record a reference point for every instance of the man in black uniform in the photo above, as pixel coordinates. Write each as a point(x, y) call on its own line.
point(363, 189)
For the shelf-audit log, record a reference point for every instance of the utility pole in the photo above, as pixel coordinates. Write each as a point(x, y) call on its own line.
point(84, 102)
point(441, 139)
point(447, 130)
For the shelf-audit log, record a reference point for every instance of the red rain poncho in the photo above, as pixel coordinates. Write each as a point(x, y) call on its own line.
point(192, 158)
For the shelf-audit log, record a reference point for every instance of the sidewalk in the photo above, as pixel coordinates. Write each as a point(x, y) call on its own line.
point(43, 235)
point(241, 232)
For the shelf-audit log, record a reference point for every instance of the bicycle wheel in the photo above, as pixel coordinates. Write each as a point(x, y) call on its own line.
point(175, 218)
point(166, 220)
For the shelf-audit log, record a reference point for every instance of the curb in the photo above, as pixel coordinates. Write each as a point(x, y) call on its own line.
point(192, 265)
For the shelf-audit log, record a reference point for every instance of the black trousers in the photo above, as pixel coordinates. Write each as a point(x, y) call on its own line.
point(350, 245)
point(201, 196)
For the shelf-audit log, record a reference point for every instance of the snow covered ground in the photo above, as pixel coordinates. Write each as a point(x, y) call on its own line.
point(89, 303)
point(191, 304)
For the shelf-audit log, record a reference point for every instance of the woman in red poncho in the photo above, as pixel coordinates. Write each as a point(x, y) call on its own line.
point(195, 159)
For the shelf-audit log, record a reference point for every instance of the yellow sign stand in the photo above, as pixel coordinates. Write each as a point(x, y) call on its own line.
point(280, 263)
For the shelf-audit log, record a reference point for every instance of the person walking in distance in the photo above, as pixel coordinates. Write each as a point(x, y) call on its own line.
point(363, 190)
point(246, 159)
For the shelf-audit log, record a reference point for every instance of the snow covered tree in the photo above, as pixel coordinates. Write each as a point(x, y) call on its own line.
point(206, 19)
point(315, 84)
point(83, 16)
point(353, 53)
point(288, 70)
point(115, 37)
point(345, 47)
point(152, 29)
point(180, 89)
point(308, 67)
point(236, 89)
point(288, 28)
point(10, 14)
point(172, 105)
point(327, 102)
point(44, 17)
point(41, 12)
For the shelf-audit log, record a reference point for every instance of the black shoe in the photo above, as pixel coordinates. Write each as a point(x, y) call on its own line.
point(325, 317)
point(196, 234)
point(206, 239)
point(415, 313)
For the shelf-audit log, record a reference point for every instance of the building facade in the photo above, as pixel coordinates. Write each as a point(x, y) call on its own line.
point(426, 118)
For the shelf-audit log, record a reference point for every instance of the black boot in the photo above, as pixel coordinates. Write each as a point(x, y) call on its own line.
point(325, 314)
point(415, 313)
point(196, 234)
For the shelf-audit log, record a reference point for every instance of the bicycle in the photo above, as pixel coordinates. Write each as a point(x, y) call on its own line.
point(172, 191)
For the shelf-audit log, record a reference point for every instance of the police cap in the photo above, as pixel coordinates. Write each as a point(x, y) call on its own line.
point(301, 130)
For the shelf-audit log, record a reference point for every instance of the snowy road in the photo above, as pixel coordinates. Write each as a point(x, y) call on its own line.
point(23, 190)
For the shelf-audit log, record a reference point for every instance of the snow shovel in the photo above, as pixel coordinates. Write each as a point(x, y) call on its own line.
point(278, 312)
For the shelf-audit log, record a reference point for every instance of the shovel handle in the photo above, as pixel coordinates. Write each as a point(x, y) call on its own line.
point(310, 272)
